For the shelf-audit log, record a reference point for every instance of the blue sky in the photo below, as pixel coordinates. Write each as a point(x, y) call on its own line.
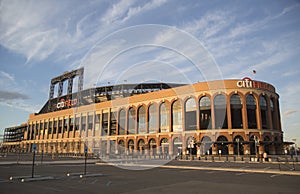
point(42, 39)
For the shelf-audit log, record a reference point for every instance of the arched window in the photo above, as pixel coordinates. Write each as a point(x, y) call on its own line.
point(121, 147)
point(263, 112)
point(251, 111)
point(141, 120)
point(152, 147)
point(236, 111)
point(177, 146)
point(131, 121)
point(113, 123)
point(121, 123)
point(205, 113)
point(164, 117)
point(206, 146)
point(177, 116)
point(273, 116)
point(152, 118)
point(164, 146)
point(220, 112)
point(130, 146)
point(190, 114)
point(141, 146)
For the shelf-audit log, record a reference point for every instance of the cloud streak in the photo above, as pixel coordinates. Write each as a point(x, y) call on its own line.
point(9, 95)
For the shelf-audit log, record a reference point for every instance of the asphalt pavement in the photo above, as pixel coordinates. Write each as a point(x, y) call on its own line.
point(145, 176)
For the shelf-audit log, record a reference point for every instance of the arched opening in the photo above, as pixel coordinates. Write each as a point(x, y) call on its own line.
point(238, 143)
point(263, 112)
point(152, 147)
point(141, 120)
point(121, 147)
point(220, 112)
point(190, 114)
point(205, 113)
point(177, 146)
point(177, 116)
point(152, 118)
point(191, 146)
point(206, 146)
point(222, 145)
point(251, 111)
point(164, 118)
point(236, 111)
point(130, 146)
point(131, 121)
point(164, 143)
point(141, 146)
point(112, 147)
point(121, 123)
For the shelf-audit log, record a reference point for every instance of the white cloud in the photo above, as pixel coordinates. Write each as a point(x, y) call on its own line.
point(117, 11)
point(4, 75)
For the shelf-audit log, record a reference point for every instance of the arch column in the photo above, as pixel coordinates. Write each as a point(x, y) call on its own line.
point(198, 114)
point(170, 145)
point(147, 119)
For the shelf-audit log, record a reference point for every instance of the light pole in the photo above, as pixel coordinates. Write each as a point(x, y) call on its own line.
point(256, 141)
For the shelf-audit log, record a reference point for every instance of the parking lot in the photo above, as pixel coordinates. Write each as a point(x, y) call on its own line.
point(173, 177)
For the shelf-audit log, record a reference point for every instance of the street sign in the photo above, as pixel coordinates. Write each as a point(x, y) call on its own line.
point(34, 148)
point(85, 149)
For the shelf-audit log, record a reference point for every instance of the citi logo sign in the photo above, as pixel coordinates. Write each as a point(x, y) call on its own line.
point(246, 82)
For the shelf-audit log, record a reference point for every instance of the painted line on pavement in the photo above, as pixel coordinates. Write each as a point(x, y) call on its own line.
point(269, 171)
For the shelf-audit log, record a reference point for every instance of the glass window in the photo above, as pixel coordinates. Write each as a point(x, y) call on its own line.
point(152, 118)
point(90, 122)
point(251, 111)
point(177, 116)
point(113, 123)
point(220, 112)
point(121, 123)
point(164, 118)
point(205, 113)
point(83, 123)
point(190, 114)
point(263, 112)
point(131, 121)
point(141, 120)
point(104, 124)
point(97, 121)
point(236, 111)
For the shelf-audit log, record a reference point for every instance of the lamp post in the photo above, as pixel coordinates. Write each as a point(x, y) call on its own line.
point(256, 141)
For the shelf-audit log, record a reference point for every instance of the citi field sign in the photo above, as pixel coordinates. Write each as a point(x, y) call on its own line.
point(66, 103)
point(247, 82)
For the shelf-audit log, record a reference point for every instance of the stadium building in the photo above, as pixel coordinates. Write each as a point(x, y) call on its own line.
point(228, 117)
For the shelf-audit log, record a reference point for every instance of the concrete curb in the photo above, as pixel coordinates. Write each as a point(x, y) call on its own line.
point(266, 171)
